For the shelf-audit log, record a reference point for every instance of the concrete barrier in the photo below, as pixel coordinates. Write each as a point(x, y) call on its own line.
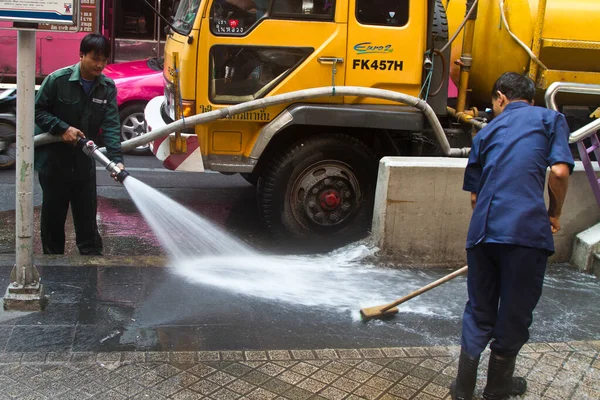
point(422, 214)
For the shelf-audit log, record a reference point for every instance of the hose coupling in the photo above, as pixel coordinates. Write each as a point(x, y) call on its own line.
point(87, 146)
point(466, 61)
point(427, 63)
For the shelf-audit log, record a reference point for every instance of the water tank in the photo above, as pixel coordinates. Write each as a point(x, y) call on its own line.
point(570, 28)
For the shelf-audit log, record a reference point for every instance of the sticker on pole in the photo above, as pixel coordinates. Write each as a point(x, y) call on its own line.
point(40, 11)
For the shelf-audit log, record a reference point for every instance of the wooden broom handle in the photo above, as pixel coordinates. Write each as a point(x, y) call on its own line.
point(426, 288)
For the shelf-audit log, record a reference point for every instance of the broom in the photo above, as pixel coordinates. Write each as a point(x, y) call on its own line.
point(391, 309)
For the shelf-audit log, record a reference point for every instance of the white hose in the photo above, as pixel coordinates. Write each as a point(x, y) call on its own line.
point(285, 98)
point(523, 45)
point(460, 27)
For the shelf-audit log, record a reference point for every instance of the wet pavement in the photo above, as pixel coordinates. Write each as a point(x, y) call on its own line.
point(126, 326)
point(153, 309)
point(146, 333)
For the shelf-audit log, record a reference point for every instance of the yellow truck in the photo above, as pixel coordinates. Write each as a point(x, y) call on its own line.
point(314, 161)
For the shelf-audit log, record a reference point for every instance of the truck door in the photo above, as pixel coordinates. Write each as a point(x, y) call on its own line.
point(386, 44)
point(251, 49)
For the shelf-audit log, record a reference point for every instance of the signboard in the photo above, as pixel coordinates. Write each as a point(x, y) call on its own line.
point(88, 20)
point(40, 11)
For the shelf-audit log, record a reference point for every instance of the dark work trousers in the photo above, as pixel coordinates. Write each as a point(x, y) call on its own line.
point(512, 276)
point(58, 193)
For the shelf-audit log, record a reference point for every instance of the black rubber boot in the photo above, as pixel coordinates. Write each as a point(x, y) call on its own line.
point(464, 385)
point(500, 382)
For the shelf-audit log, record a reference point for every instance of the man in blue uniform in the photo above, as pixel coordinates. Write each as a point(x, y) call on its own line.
point(510, 235)
point(73, 102)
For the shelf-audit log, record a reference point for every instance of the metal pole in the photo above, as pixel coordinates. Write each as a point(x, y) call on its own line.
point(157, 31)
point(25, 292)
point(25, 127)
point(466, 59)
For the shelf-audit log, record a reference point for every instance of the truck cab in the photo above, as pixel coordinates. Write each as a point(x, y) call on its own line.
point(315, 162)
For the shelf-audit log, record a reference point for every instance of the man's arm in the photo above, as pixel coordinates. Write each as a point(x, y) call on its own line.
point(111, 129)
point(558, 183)
point(47, 121)
point(560, 161)
point(473, 172)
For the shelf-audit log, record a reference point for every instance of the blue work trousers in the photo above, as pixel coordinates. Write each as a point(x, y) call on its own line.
point(504, 284)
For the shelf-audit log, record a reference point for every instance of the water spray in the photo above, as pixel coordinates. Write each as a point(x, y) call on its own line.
point(91, 150)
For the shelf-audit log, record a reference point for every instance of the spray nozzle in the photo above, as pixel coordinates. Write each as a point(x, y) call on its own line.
point(122, 175)
point(91, 150)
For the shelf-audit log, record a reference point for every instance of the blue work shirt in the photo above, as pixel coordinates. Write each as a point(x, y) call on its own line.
point(507, 169)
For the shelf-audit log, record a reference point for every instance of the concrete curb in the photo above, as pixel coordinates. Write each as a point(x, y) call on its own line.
point(8, 260)
point(585, 245)
point(76, 261)
point(276, 355)
point(423, 214)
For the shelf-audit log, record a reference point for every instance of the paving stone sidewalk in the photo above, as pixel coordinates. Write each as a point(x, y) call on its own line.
point(554, 371)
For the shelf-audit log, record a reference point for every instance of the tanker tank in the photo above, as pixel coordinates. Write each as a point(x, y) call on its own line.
point(570, 43)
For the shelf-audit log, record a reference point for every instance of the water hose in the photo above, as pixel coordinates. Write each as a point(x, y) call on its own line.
point(91, 150)
point(460, 27)
point(445, 71)
point(286, 98)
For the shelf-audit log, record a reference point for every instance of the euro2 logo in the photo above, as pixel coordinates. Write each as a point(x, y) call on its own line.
point(68, 8)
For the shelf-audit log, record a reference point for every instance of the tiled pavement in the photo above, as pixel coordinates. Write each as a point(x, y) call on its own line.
point(554, 371)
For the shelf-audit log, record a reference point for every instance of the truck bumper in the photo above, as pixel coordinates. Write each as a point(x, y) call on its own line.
point(189, 161)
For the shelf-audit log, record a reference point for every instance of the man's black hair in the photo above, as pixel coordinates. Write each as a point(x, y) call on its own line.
point(95, 43)
point(515, 87)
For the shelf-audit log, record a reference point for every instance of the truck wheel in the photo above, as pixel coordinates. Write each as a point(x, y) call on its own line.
point(132, 125)
point(320, 188)
point(8, 148)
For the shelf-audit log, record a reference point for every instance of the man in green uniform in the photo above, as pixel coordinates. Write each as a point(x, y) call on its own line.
point(74, 102)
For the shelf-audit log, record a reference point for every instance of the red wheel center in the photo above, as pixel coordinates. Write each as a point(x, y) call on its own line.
point(330, 199)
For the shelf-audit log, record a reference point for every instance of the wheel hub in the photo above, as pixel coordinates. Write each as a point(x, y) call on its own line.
point(330, 199)
point(133, 126)
point(326, 194)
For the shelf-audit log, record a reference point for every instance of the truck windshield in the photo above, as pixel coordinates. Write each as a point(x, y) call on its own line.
point(185, 15)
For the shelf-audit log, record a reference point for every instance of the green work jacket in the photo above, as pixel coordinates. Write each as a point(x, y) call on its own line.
point(61, 102)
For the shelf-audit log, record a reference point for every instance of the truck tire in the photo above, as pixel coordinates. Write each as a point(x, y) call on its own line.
point(132, 125)
point(8, 157)
point(8, 152)
point(321, 188)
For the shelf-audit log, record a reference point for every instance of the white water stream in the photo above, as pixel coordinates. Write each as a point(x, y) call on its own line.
point(203, 253)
